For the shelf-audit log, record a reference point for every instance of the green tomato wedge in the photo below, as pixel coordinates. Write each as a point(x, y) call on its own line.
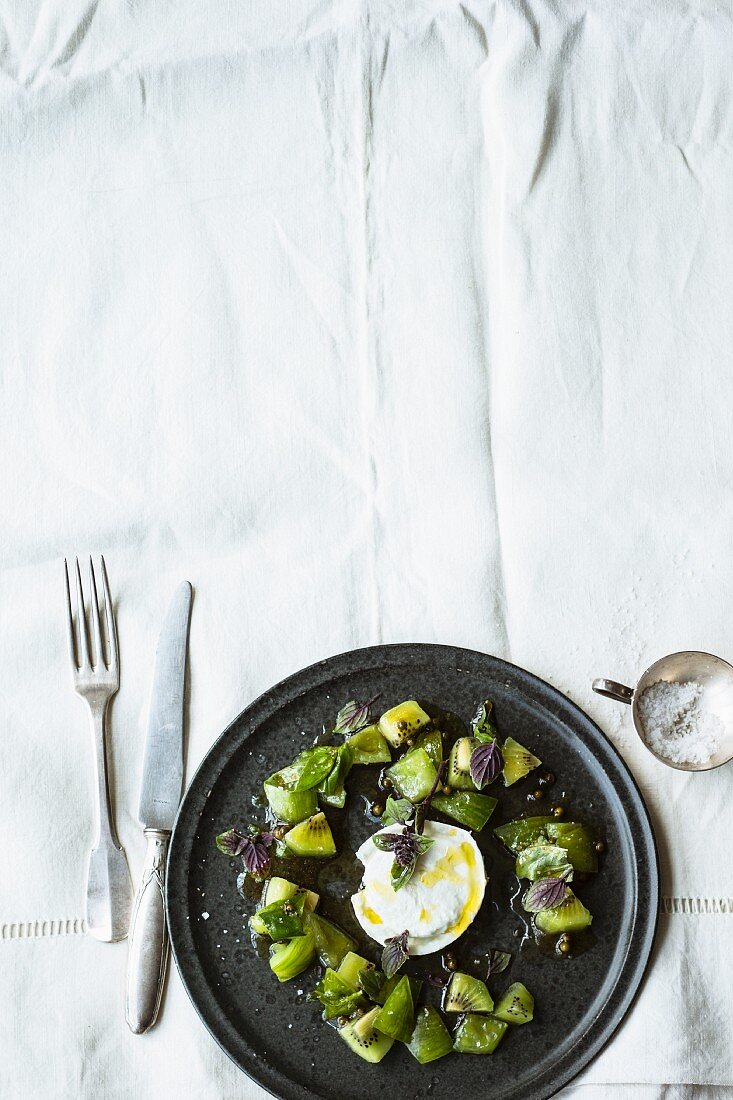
point(332, 944)
point(430, 1037)
point(286, 805)
point(282, 920)
point(396, 1018)
point(469, 808)
point(541, 861)
point(413, 775)
point(369, 746)
point(292, 957)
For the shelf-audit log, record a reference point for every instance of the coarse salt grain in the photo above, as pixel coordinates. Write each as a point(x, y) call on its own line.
point(676, 725)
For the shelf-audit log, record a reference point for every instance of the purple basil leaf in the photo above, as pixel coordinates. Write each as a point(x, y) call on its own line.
point(498, 962)
point(231, 843)
point(353, 717)
point(395, 953)
point(547, 893)
point(256, 856)
point(486, 763)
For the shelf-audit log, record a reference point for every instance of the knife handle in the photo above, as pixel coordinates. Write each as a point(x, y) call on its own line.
point(148, 939)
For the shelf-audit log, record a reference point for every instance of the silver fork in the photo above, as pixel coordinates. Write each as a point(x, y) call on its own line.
point(96, 679)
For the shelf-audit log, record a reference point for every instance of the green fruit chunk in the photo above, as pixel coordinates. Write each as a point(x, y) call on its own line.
point(524, 831)
point(369, 746)
point(432, 742)
point(403, 721)
point(350, 967)
point(467, 994)
point(337, 998)
point(541, 861)
point(413, 775)
point(478, 1034)
point(390, 985)
point(290, 806)
point(332, 789)
point(331, 943)
point(397, 1015)
point(280, 889)
point(291, 958)
point(282, 920)
point(311, 838)
point(571, 916)
point(364, 1040)
point(518, 761)
point(578, 842)
point(516, 1005)
point(469, 808)
point(430, 1038)
point(459, 764)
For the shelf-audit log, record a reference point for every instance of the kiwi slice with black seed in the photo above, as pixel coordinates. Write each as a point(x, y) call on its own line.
point(516, 1005)
point(402, 722)
point(311, 838)
point(459, 764)
point(478, 1034)
point(362, 1037)
point(467, 994)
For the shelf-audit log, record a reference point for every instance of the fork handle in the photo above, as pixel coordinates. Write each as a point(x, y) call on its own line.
point(148, 938)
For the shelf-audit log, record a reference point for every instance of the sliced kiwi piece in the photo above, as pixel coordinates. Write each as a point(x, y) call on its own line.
point(403, 721)
point(570, 916)
point(311, 838)
point(369, 746)
point(290, 958)
point(478, 1034)
point(469, 808)
point(432, 742)
point(332, 944)
point(518, 761)
point(396, 1017)
point(289, 806)
point(516, 1005)
point(524, 831)
point(578, 842)
point(430, 1037)
point(280, 889)
point(413, 775)
point(350, 966)
point(459, 764)
point(364, 1039)
point(467, 994)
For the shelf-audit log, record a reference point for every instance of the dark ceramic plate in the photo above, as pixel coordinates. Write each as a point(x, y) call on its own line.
point(270, 1030)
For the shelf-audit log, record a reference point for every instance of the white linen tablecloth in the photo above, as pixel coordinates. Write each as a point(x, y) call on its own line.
point(377, 321)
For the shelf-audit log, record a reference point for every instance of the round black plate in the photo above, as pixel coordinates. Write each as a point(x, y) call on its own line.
point(270, 1030)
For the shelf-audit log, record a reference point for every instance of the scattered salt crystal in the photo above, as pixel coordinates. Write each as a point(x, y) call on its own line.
point(676, 724)
point(205, 916)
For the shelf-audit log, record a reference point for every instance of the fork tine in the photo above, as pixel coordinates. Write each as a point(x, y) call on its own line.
point(96, 626)
point(81, 615)
point(111, 629)
point(69, 618)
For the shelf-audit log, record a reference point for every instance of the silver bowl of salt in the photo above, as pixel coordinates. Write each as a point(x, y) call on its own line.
point(682, 708)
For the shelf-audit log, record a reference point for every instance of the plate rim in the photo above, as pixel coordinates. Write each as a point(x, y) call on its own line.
point(180, 929)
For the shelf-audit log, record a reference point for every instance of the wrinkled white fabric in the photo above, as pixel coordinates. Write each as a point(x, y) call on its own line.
point(377, 321)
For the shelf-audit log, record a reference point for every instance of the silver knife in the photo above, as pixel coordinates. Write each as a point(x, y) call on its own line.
point(159, 797)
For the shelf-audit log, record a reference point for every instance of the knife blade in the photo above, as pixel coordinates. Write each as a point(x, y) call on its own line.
point(162, 780)
point(160, 794)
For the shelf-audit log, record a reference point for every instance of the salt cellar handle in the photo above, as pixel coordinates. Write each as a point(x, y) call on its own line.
point(613, 690)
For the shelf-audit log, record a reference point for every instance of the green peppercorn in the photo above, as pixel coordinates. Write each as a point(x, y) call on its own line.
point(558, 811)
point(564, 943)
point(538, 794)
point(600, 846)
point(280, 831)
point(447, 789)
point(449, 961)
point(377, 809)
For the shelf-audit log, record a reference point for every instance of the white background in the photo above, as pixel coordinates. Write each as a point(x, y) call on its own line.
point(377, 322)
